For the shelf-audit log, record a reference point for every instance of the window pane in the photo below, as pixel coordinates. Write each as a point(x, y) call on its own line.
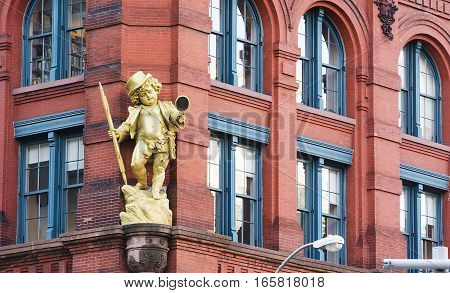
point(36, 219)
point(245, 26)
point(77, 52)
point(249, 185)
point(245, 65)
point(302, 37)
point(240, 158)
point(240, 182)
point(47, 16)
point(214, 161)
point(41, 18)
point(37, 172)
point(75, 13)
point(301, 184)
point(74, 161)
point(330, 94)
point(300, 81)
point(428, 219)
point(250, 161)
point(41, 53)
point(330, 47)
point(215, 13)
point(330, 227)
point(403, 109)
point(331, 192)
point(244, 220)
point(427, 249)
point(215, 45)
point(404, 211)
point(214, 176)
point(71, 208)
point(72, 150)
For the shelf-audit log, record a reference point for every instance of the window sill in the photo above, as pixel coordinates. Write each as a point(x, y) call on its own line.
point(328, 119)
point(426, 144)
point(240, 90)
point(47, 85)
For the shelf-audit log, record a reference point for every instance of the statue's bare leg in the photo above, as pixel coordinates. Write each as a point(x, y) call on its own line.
point(161, 160)
point(138, 162)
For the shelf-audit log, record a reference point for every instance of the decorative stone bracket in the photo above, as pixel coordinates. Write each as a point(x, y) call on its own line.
point(147, 247)
point(387, 10)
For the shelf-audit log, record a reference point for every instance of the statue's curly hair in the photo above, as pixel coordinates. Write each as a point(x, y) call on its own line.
point(155, 84)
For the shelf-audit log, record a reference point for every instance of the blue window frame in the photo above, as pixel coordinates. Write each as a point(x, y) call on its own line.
point(321, 203)
point(50, 178)
point(420, 219)
point(235, 43)
point(234, 178)
point(320, 70)
point(419, 99)
point(54, 40)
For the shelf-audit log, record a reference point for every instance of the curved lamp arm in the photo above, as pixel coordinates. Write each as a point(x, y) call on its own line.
point(292, 255)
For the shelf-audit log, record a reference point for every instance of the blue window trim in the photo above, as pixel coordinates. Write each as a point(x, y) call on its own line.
point(228, 71)
point(238, 128)
point(56, 207)
point(60, 45)
point(324, 150)
point(314, 203)
point(425, 177)
point(54, 129)
point(412, 57)
point(48, 123)
point(413, 230)
point(227, 226)
point(314, 20)
point(231, 133)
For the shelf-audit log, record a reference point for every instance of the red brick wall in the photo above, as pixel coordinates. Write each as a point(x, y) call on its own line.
point(170, 39)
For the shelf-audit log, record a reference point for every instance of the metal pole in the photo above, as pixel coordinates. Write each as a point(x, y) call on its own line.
point(439, 263)
point(291, 256)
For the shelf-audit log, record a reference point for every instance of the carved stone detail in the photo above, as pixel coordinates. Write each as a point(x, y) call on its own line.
point(387, 9)
point(147, 247)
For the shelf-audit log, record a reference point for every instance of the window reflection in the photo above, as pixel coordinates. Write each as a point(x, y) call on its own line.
point(245, 174)
point(214, 178)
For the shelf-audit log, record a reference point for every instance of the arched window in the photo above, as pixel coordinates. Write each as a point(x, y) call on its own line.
point(321, 67)
point(235, 43)
point(419, 99)
point(54, 40)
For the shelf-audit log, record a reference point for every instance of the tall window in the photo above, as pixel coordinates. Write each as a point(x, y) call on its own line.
point(420, 219)
point(235, 43)
point(54, 40)
point(320, 188)
point(234, 178)
point(51, 178)
point(420, 96)
point(321, 67)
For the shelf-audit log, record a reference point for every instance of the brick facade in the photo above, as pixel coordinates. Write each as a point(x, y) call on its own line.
point(169, 38)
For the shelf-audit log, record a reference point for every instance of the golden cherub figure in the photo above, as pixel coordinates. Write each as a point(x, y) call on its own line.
point(153, 124)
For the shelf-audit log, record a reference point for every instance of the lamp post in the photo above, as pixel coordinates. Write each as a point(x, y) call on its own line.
point(439, 263)
point(331, 243)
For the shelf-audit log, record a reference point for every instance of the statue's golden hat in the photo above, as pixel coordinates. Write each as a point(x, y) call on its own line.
point(136, 81)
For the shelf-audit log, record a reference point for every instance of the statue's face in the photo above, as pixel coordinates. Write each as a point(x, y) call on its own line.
point(148, 96)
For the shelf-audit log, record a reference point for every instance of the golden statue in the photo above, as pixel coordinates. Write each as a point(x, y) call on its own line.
point(153, 124)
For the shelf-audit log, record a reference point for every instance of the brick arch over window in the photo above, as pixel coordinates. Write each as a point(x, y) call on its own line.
point(271, 14)
point(436, 40)
point(350, 20)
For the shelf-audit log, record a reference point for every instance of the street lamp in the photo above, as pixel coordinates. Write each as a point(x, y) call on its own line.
point(331, 243)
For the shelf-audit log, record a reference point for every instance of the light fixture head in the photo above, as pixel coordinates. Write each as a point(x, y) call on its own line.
point(331, 243)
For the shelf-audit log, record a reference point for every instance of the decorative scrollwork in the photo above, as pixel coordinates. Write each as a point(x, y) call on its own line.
point(387, 10)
